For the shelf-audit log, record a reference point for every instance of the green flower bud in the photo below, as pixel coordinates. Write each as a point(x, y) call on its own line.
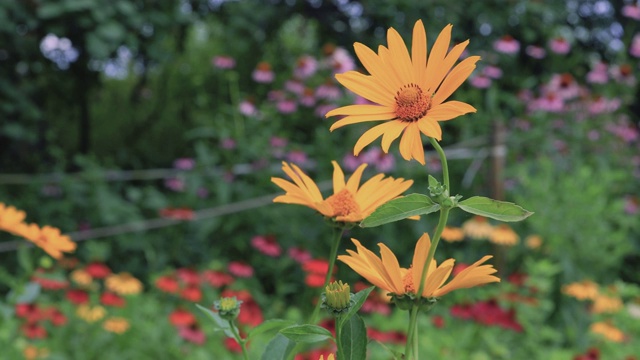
point(337, 298)
point(228, 307)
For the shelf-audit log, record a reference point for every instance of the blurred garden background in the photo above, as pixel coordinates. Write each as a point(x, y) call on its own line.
point(148, 131)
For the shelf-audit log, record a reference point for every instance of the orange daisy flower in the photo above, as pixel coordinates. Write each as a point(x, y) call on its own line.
point(10, 218)
point(409, 92)
point(47, 238)
point(350, 202)
point(386, 273)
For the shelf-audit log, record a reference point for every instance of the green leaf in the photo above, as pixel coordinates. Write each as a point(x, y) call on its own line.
point(278, 348)
point(499, 210)
point(353, 340)
point(268, 325)
point(433, 182)
point(401, 208)
point(221, 323)
point(306, 333)
point(360, 297)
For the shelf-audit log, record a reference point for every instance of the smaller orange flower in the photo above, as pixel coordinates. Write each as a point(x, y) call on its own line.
point(47, 238)
point(386, 273)
point(533, 241)
point(123, 284)
point(477, 228)
point(116, 325)
point(90, 313)
point(581, 290)
point(608, 331)
point(10, 218)
point(350, 202)
point(452, 234)
point(606, 304)
point(503, 234)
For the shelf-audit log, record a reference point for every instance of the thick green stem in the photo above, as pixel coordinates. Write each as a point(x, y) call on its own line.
point(337, 235)
point(413, 332)
point(240, 340)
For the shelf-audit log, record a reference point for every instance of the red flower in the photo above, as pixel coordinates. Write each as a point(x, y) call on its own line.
point(110, 299)
point(316, 272)
point(49, 282)
point(192, 334)
point(23, 310)
point(299, 255)
point(181, 318)
point(232, 345)
point(57, 318)
point(177, 213)
point(457, 268)
point(240, 269)
point(34, 331)
point(314, 280)
point(189, 277)
point(267, 245)
point(438, 321)
point(168, 284)
point(517, 279)
point(98, 270)
point(191, 293)
point(487, 313)
point(386, 336)
point(77, 296)
point(217, 279)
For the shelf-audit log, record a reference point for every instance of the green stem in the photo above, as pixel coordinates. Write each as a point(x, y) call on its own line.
point(413, 330)
point(338, 339)
point(240, 340)
point(337, 235)
point(443, 161)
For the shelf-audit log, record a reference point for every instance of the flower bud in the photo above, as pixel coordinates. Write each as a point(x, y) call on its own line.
point(228, 307)
point(337, 298)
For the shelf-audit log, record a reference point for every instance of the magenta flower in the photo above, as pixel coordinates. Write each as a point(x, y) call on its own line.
point(559, 45)
point(634, 49)
point(341, 61)
point(240, 269)
point(184, 163)
point(631, 11)
point(480, 81)
point(266, 245)
point(306, 66)
point(599, 74)
point(263, 73)
point(223, 62)
point(299, 255)
point(247, 108)
point(536, 52)
point(287, 106)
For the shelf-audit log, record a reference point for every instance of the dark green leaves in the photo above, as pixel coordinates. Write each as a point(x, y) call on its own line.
point(401, 208)
point(498, 210)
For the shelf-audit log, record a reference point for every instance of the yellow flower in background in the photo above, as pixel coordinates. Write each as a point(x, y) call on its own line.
point(409, 91)
point(582, 290)
point(90, 313)
point(47, 238)
point(32, 352)
point(503, 234)
point(608, 331)
point(330, 357)
point(533, 241)
point(116, 325)
point(10, 218)
point(123, 284)
point(477, 228)
point(81, 277)
point(385, 272)
point(606, 304)
point(452, 234)
point(350, 202)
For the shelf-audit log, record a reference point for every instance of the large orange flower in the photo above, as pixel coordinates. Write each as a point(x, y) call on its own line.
point(350, 202)
point(386, 273)
point(47, 238)
point(408, 91)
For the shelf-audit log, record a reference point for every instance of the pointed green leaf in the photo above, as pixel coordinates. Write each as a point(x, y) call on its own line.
point(221, 323)
point(278, 348)
point(353, 340)
point(360, 297)
point(499, 210)
point(401, 208)
point(306, 333)
point(268, 325)
point(433, 182)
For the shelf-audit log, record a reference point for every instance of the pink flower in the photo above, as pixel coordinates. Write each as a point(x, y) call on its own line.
point(351, 162)
point(277, 142)
point(631, 205)
point(240, 269)
point(564, 86)
point(175, 184)
point(599, 74)
point(228, 144)
point(247, 108)
point(322, 110)
point(559, 45)
point(217, 279)
point(297, 156)
point(328, 91)
point(506, 45)
point(307, 98)
point(550, 102)
point(223, 62)
point(263, 73)
point(306, 66)
point(266, 245)
point(299, 255)
point(382, 161)
point(493, 72)
point(184, 163)
point(294, 86)
point(634, 49)
point(341, 61)
point(536, 52)
point(631, 11)
point(623, 74)
point(600, 105)
point(192, 334)
point(287, 106)
point(480, 81)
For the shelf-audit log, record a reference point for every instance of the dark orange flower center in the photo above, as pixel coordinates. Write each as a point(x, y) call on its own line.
point(412, 103)
point(343, 203)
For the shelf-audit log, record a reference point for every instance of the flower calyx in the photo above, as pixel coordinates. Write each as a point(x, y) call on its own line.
point(228, 307)
point(337, 298)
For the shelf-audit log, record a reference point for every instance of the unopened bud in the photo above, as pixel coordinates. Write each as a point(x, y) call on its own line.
point(337, 298)
point(228, 308)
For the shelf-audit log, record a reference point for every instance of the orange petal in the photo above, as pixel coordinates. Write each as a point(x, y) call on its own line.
point(455, 78)
point(368, 87)
point(430, 128)
point(370, 135)
point(436, 58)
point(450, 110)
point(419, 53)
